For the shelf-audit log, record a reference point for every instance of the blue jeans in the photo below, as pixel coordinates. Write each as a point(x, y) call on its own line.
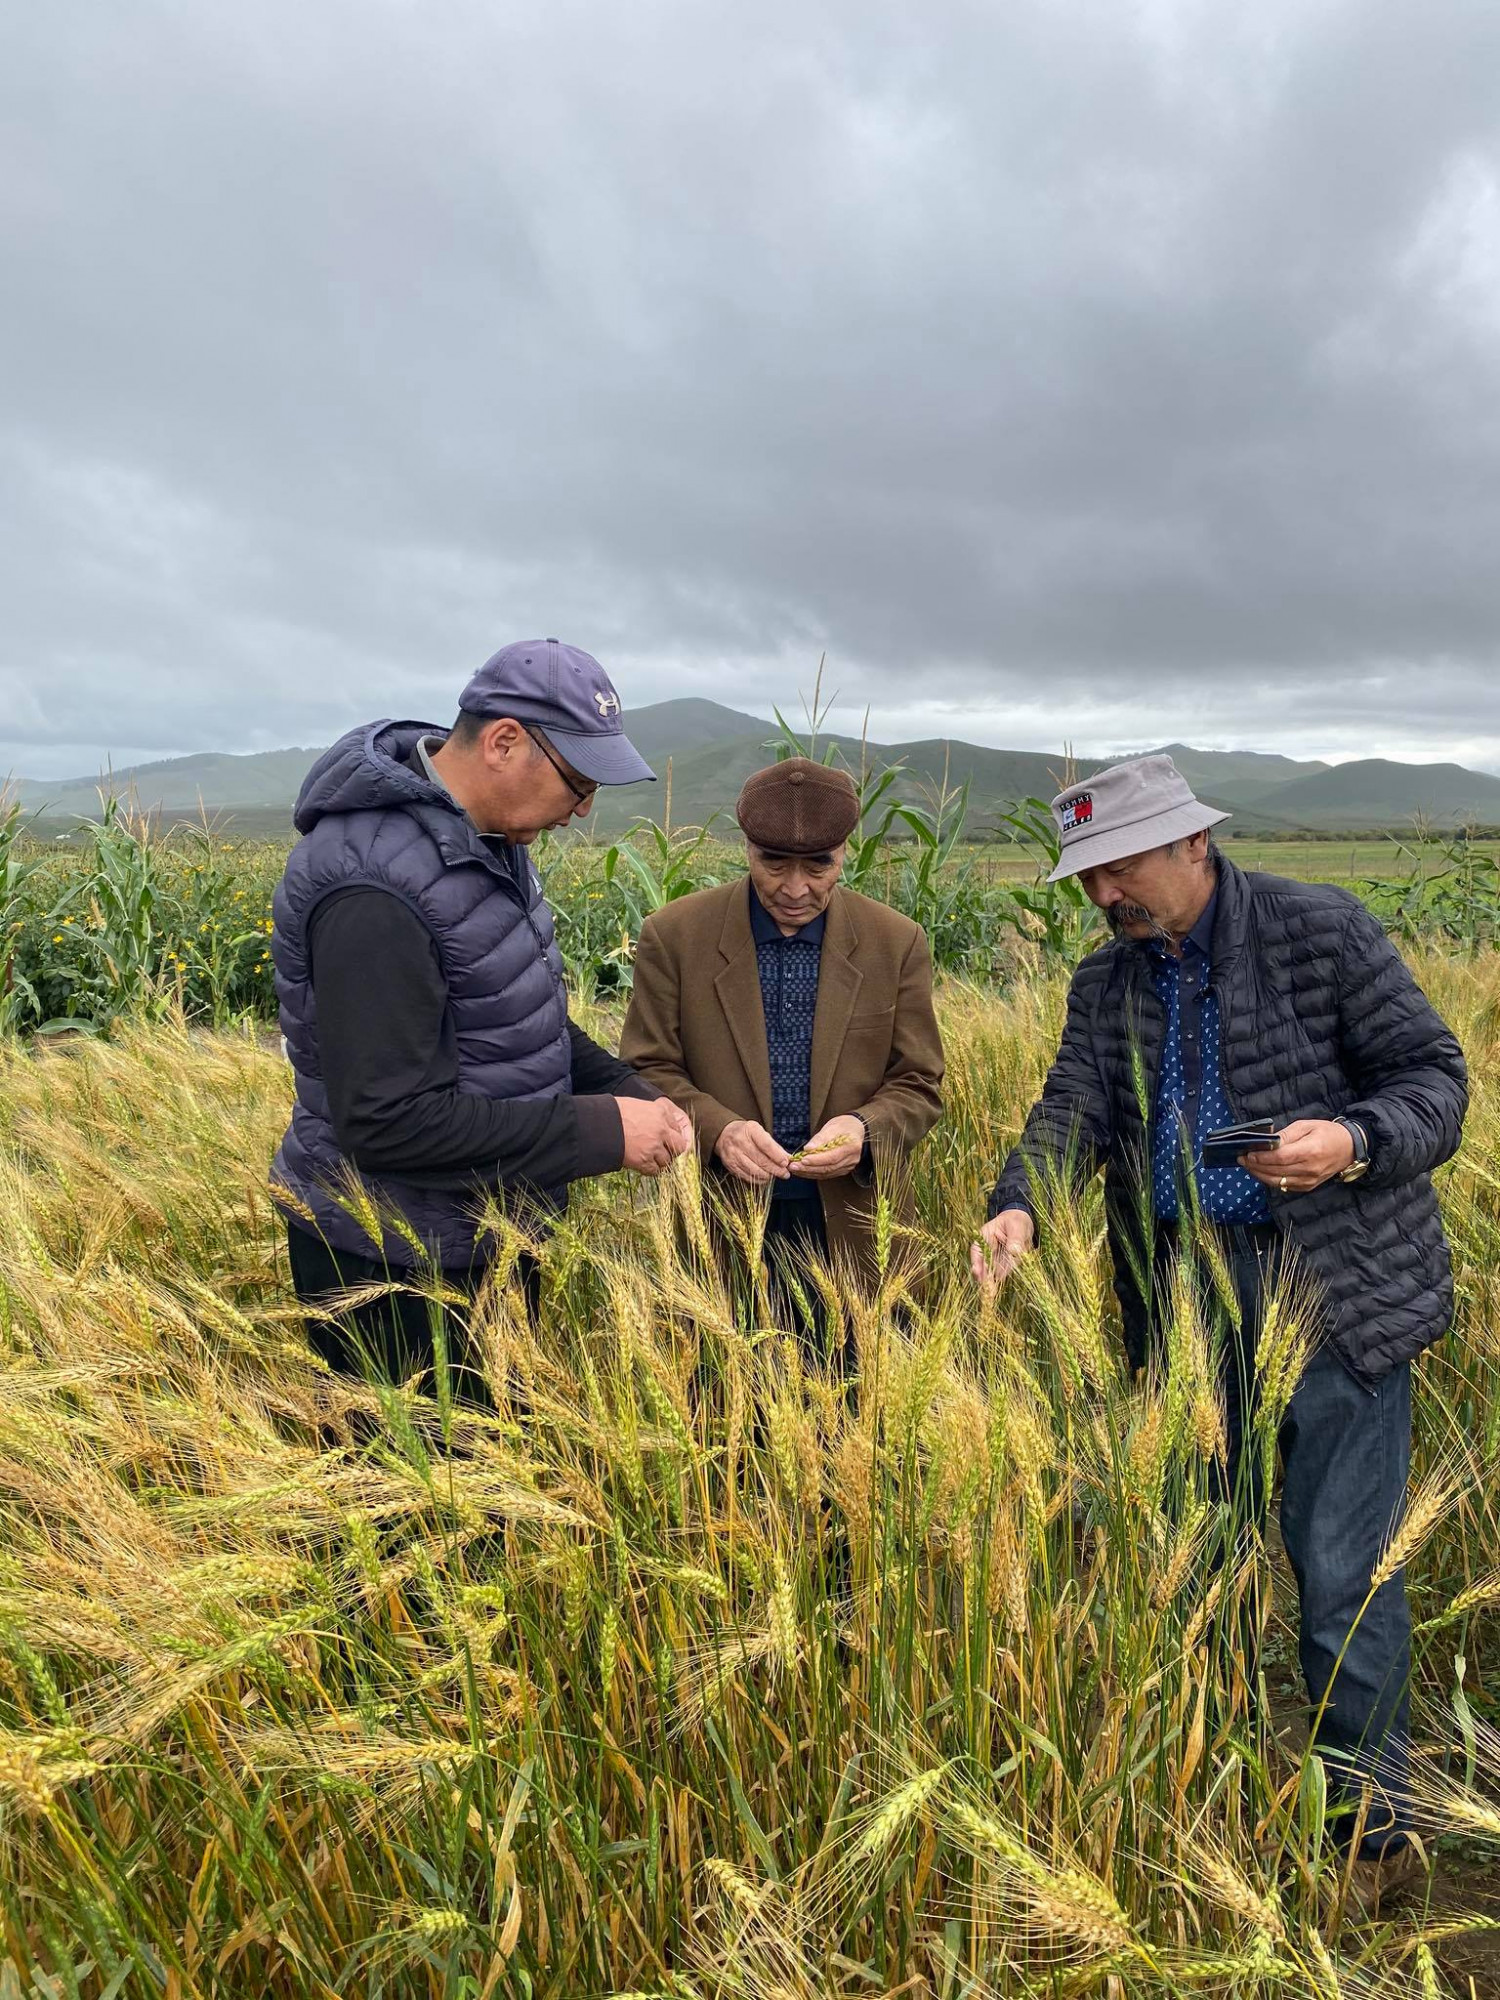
point(1345, 1456)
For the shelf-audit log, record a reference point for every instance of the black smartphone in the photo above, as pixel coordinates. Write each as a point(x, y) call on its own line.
point(1223, 1147)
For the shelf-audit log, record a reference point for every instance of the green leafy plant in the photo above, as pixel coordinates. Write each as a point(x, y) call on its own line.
point(1056, 916)
point(1450, 891)
point(653, 866)
point(218, 953)
point(113, 964)
point(18, 1000)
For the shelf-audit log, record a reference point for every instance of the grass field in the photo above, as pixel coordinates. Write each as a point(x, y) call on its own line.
point(1303, 860)
point(1307, 860)
point(686, 1673)
point(128, 920)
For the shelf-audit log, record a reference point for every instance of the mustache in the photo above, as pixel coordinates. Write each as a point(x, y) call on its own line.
point(1121, 914)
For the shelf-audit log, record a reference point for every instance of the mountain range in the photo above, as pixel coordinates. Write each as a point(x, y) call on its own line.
point(710, 749)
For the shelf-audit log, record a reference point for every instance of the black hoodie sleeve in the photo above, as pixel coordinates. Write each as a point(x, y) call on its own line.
point(389, 1055)
point(597, 1072)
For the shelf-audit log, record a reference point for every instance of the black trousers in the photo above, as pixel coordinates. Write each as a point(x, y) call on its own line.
point(390, 1338)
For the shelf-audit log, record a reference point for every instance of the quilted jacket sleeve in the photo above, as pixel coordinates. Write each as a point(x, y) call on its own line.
point(1067, 1131)
point(1402, 1058)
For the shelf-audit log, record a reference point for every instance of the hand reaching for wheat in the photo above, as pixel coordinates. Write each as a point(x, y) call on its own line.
point(1003, 1242)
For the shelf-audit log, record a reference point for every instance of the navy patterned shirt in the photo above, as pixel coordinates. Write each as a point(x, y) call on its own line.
point(1190, 1095)
point(789, 968)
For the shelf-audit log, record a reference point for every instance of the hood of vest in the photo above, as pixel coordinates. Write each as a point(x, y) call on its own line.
point(367, 770)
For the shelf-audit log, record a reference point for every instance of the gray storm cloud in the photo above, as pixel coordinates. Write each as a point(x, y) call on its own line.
point(1064, 370)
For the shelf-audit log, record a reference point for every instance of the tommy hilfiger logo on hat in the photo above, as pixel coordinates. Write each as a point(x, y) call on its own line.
point(1126, 810)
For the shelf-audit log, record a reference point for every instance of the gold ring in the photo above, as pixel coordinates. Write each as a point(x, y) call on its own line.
point(1283, 1183)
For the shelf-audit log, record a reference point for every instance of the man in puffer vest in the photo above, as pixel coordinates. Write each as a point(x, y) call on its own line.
point(422, 998)
point(1224, 999)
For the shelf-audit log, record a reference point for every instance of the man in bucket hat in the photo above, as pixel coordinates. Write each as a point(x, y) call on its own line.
point(422, 1000)
point(792, 1019)
point(1227, 998)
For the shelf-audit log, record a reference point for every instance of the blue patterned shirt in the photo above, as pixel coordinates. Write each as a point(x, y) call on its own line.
point(1190, 1095)
point(789, 968)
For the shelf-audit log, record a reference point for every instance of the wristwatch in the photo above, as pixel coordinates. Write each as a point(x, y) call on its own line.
point(1360, 1164)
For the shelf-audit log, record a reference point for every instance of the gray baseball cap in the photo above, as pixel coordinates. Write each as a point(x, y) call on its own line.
point(1126, 810)
point(565, 692)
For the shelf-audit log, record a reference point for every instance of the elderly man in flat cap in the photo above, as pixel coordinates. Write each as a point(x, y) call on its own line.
point(1241, 998)
point(791, 1018)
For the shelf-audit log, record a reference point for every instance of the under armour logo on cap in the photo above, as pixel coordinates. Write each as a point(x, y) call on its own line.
point(564, 691)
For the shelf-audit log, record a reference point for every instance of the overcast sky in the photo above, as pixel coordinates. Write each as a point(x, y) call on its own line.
point(1065, 369)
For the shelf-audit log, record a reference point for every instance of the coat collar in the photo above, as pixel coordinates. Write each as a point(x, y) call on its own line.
point(1231, 918)
point(839, 981)
point(737, 984)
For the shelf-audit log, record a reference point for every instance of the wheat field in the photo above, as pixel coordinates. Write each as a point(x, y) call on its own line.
point(687, 1671)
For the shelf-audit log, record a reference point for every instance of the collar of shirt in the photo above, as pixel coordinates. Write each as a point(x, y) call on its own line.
point(766, 930)
point(498, 845)
point(1200, 938)
point(430, 770)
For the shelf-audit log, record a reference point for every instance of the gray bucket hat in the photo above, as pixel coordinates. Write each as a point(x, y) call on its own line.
point(1126, 810)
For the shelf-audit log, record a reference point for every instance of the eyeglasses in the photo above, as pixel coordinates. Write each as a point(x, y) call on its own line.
point(580, 793)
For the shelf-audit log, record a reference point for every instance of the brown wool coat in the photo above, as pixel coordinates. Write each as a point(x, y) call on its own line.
point(696, 1029)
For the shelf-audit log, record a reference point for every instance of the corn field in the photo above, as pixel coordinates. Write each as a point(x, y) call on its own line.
point(129, 921)
point(688, 1670)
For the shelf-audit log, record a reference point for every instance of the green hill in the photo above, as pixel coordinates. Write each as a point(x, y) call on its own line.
point(1377, 792)
point(262, 783)
point(1250, 771)
point(664, 729)
point(708, 750)
point(706, 779)
point(265, 780)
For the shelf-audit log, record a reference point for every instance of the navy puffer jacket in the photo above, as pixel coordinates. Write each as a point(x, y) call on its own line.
point(1319, 1017)
point(370, 819)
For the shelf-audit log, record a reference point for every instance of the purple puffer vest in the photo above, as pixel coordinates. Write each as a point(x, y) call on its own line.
point(370, 819)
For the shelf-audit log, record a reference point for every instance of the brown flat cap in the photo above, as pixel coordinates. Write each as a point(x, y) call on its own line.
point(798, 807)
